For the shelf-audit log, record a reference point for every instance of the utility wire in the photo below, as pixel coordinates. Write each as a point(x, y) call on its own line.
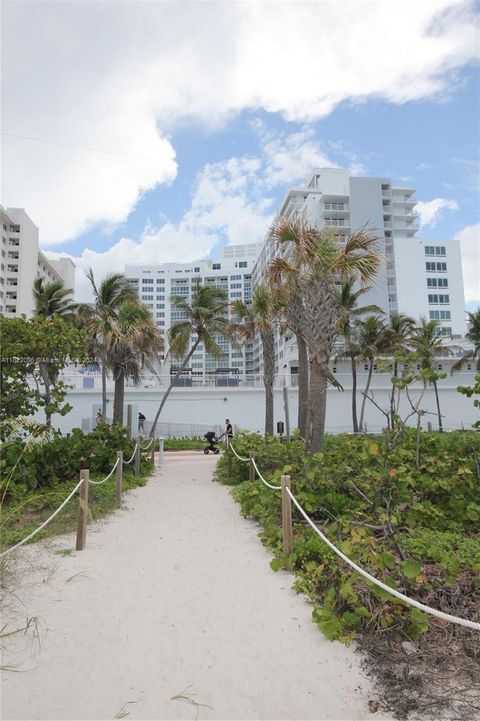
point(76, 147)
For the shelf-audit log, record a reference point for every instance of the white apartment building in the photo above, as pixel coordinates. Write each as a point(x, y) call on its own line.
point(417, 277)
point(232, 272)
point(22, 262)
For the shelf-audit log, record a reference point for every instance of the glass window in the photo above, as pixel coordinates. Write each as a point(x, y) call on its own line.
point(216, 266)
point(242, 264)
point(160, 280)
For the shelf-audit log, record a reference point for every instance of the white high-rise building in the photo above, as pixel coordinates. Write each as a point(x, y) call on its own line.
point(155, 284)
point(22, 262)
point(417, 277)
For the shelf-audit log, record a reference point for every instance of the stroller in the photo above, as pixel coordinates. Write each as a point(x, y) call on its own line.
point(212, 443)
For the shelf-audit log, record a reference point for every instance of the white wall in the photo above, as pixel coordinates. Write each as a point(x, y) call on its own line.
point(246, 407)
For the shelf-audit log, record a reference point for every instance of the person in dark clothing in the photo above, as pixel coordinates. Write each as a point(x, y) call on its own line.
point(141, 421)
point(228, 428)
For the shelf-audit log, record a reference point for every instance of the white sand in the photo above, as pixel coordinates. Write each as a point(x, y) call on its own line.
point(174, 594)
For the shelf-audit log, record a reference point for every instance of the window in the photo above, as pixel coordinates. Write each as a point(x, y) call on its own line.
point(236, 294)
point(147, 297)
point(243, 264)
point(147, 280)
point(440, 315)
point(196, 270)
point(235, 277)
point(160, 314)
point(445, 299)
point(160, 297)
point(437, 282)
point(334, 206)
point(160, 305)
point(160, 280)
point(435, 250)
point(235, 285)
point(216, 266)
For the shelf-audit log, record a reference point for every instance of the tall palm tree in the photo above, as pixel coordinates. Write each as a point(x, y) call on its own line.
point(259, 318)
point(132, 340)
point(370, 341)
point(426, 341)
point(349, 309)
point(51, 299)
point(473, 335)
point(398, 332)
point(97, 318)
point(317, 262)
point(288, 301)
point(206, 316)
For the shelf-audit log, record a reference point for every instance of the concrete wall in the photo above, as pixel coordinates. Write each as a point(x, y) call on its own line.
point(246, 407)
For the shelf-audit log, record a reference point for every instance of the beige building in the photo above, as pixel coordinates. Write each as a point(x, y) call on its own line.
point(22, 262)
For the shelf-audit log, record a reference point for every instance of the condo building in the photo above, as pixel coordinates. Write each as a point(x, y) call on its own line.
point(232, 272)
point(22, 261)
point(417, 277)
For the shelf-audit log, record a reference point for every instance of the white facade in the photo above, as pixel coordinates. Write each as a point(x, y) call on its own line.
point(407, 281)
point(155, 284)
point(22, 262)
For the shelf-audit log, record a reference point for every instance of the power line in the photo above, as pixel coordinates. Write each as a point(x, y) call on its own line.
point(76, 147)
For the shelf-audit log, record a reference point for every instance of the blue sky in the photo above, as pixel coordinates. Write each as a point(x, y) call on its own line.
point(214, 116)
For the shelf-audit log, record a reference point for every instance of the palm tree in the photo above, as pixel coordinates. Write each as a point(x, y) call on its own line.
point(205, 318)
point(97, 318)
point(288, 302)
point(133, 339)
point(51, 299)
point(473, 335)
point(370, 341)
point(398, 332)
point(347, 299)
point(317, 262)
point(426, 341)
point(259, 318)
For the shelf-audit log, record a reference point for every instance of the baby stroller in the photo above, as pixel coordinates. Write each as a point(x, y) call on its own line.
point(212, 443)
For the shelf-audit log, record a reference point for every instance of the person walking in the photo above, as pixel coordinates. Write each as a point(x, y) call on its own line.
point(228, 429)
point(141, 421)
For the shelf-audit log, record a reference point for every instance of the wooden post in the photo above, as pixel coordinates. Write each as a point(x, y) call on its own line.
point(429, 426)
point(153, 451)
point(161, 456)
point(119, 479)
point(251, 469)
point(129, 422)
point(287, 516)
point(82, 511)
point(229, 459)
point(287, 413)
point(137, 458)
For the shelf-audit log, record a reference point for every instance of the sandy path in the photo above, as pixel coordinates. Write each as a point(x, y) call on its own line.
point(173, 594)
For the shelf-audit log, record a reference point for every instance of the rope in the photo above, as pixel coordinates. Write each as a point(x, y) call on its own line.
point(239, 457)
point(145, 448)
point(133, 455)
point(34, 533)
point(368, 576)
point(274, 488)
point(98, 483)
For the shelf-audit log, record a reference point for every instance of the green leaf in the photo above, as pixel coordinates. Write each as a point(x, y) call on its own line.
point(411, 569)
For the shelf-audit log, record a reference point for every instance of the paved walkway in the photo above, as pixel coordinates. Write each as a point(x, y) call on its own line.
point(173, 596)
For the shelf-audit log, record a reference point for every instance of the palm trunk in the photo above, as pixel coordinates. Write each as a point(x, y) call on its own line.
point(437, 400)
point(318, 406)
point(172, 383)
point(47, 395)
point(302, 386)
point(268, 346)
point(392, 397)
point(354, 393)
point(119, 395)
point(104, 394)
point(365, 393)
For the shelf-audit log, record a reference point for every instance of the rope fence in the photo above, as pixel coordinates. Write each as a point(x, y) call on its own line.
point(287, 526)
point(82, 488)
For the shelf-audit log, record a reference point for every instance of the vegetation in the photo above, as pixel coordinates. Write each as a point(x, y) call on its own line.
point(318, 261)
point(415, 528)
point(473, 335)
point(205, 322)
point(39, 470)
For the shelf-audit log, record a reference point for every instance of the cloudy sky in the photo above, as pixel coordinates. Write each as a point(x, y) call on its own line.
point(158, 131)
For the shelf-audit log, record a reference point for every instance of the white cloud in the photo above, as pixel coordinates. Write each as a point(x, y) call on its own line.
point(122, 76)
point(430, 210)
point(469, 239)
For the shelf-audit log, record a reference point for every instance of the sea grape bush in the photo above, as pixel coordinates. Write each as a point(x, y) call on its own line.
point(415, 529)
